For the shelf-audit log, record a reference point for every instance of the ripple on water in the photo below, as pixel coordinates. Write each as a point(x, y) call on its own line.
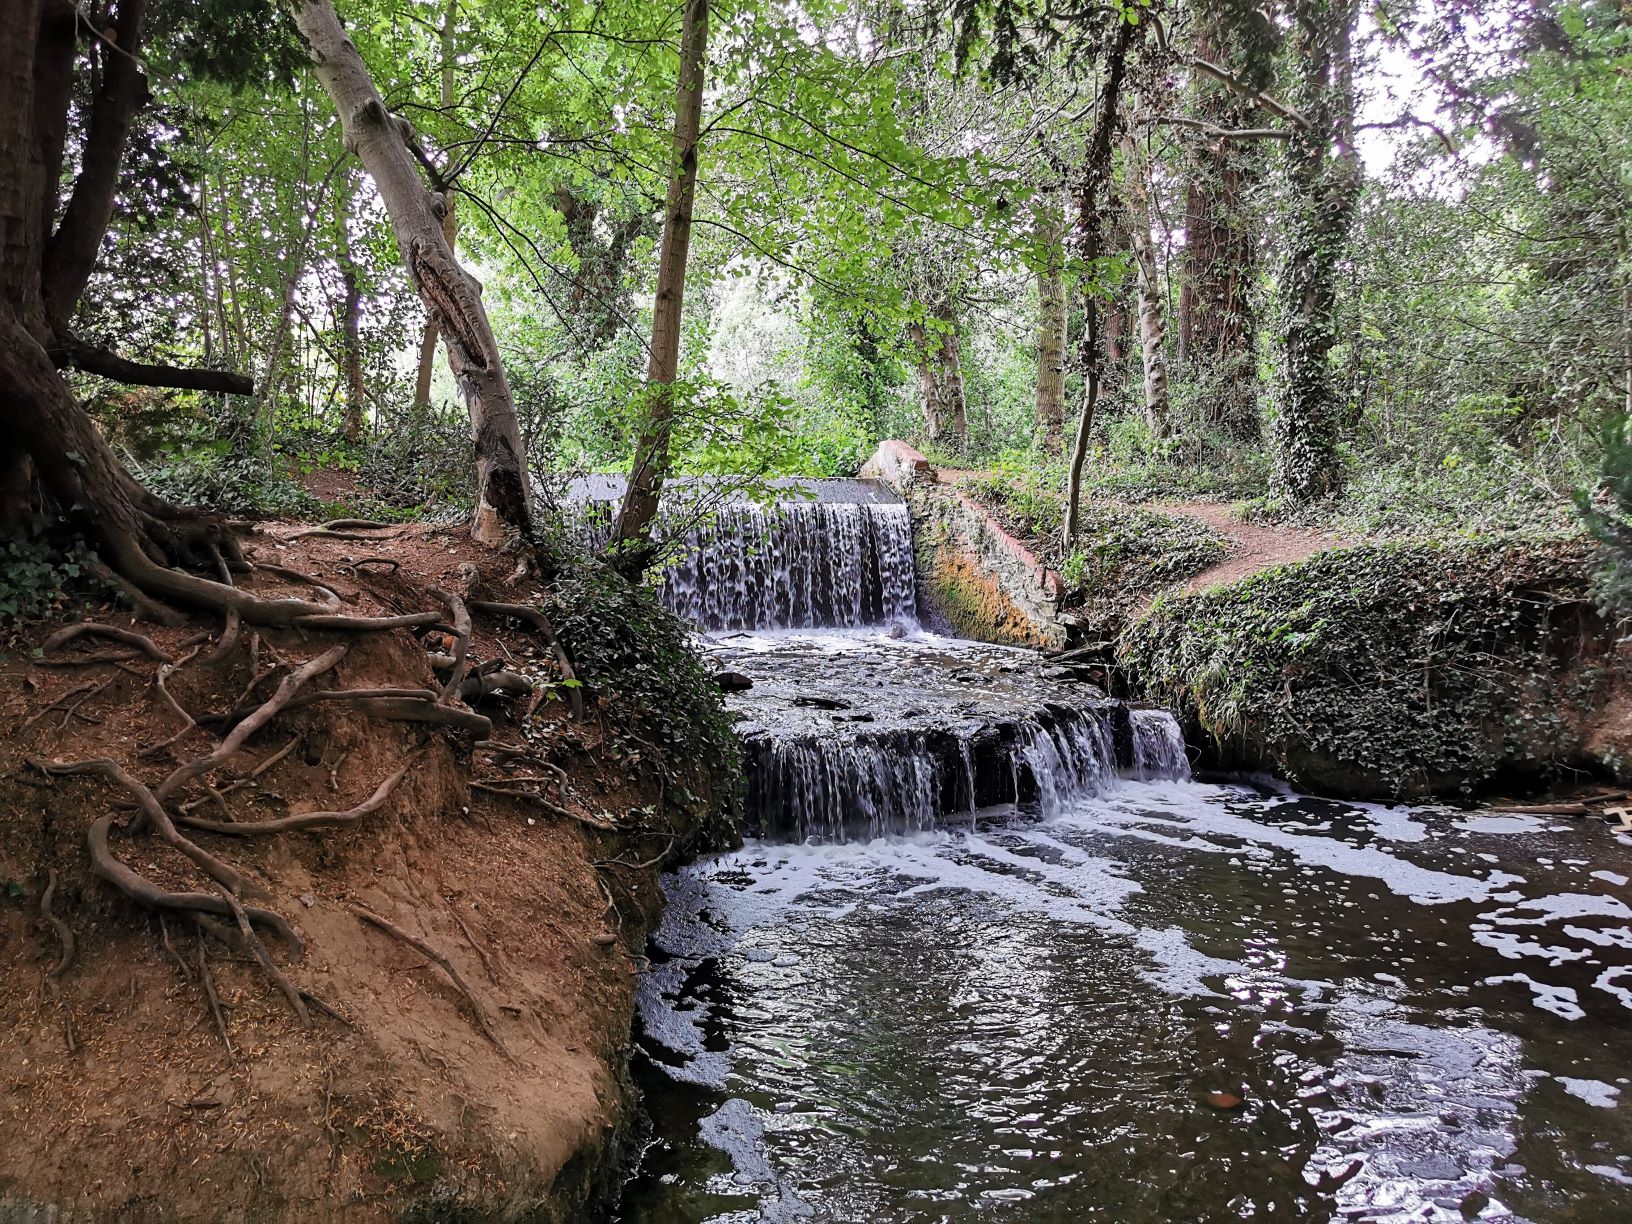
point(1025, 1021)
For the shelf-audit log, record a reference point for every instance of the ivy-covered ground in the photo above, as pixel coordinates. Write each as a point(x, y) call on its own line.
point(1398, 669)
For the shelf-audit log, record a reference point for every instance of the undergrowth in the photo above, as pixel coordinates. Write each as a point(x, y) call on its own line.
point(1391, 669)
point(638, 655)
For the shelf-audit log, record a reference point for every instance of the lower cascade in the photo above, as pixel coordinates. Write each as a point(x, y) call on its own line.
point(989, 953)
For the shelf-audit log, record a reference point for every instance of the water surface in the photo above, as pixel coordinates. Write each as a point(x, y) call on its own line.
point(1031, 1019)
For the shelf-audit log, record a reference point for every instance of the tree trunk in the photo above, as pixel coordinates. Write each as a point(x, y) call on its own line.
point(351, 352)
point(451, 295)
point(940, 377)
point(450, 223)
point(1049, 228)
point(1091, 201)
point(1217, 325)
point(1325, 176)
point(1152, 299)
point(651, 463)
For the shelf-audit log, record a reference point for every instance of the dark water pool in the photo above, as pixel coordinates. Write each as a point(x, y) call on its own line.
point(1424, 1016)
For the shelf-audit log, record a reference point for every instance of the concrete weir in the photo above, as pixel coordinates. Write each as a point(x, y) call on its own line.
point(974, 577)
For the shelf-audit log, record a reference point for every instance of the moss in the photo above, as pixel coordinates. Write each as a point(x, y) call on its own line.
point(974, 604)
point(1389, 670)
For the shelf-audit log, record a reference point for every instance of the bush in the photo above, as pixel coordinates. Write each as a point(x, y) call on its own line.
point(637, 655)
point(41, 572)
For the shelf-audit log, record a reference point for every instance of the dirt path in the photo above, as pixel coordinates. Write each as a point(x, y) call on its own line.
point(1252, 547)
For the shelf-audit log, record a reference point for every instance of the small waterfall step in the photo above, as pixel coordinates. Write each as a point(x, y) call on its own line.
point(856, 736)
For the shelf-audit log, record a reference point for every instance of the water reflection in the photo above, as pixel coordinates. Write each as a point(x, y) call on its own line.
point(1173, 1002)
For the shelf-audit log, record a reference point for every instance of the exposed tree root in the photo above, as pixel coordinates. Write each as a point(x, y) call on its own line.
point(139, 641)
point(461, 643)
point(262, 715)
point(555, 809)
point(442, 962)
point(170, 949)
point(303, 820)
point(210, 994)
point(65, 935)
point(541, 623)
point(89, 689)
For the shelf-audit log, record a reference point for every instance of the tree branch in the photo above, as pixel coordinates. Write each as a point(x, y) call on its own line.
point(82, 356)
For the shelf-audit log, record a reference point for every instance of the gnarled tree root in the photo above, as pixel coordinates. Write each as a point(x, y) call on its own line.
point(536, 618)
point(442, 962)
point(302, 820)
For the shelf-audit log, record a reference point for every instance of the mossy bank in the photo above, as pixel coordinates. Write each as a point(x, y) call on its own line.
point(1399, 670)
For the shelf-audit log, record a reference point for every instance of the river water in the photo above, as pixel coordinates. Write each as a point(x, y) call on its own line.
point(999, 958)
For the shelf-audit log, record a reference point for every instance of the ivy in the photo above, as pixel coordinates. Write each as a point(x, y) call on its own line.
point(1391, 669)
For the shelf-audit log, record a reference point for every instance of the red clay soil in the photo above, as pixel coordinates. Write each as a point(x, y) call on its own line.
point(125, 1095)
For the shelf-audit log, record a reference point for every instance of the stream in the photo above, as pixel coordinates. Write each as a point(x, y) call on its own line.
point(994, 955)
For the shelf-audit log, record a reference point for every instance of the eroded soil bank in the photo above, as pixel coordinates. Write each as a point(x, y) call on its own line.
point(467, 957)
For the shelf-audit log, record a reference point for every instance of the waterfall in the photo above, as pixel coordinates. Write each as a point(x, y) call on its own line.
point(793, 565)
point(796, 565)
point(1158, 747)
point(876, 784)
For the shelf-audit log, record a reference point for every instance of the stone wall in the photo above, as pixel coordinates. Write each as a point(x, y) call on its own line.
point(973, 576)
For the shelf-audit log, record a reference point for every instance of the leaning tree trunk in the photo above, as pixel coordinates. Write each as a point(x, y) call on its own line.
point(1049, 228)
point(450, 221)
point(1325, 175)
point(1152, 301)
point(1091, 207)
point(451, 295)
point(651, 465)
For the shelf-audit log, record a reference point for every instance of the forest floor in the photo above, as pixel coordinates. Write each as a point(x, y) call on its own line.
point(1253, 547)
point(149, 1068)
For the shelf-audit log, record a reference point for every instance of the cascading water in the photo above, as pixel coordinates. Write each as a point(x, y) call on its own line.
point(796, 565)
point(833, 554)
point(1159, 1001)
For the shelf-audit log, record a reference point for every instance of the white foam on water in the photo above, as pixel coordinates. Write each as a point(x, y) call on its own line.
point(1489, 822)
point(1560, 1000)
point(1592, 1091)
point(1609, 877)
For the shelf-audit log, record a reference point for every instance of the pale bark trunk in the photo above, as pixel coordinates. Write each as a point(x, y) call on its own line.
point(1152, 300)
point(651, 463)
point(1049, 224)
point(451, 295)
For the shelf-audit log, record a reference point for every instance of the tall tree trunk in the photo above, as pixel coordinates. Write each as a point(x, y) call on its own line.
point(651, 463)
point(1325, 176)
point(1049, 228)
point(351, 349)
point(1091, 206)
point(1217, 325)
point(940, 377)
point(451, 295)
point(1152, 298)
point(450, 222)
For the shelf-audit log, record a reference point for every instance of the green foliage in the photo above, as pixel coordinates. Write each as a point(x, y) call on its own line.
point(1607, 512)
point(41, 573)
point(659, 689)
point(1390, 670)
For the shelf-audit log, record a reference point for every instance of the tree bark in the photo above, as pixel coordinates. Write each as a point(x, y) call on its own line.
point(450, 222)
point(351, 334)
point(1325, 177)
point(651, 462)
point(1049, 228)
point(940, 377)
point(1152, 299)
point(451, 295)
point(1091, 207)
point(1217, 325)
